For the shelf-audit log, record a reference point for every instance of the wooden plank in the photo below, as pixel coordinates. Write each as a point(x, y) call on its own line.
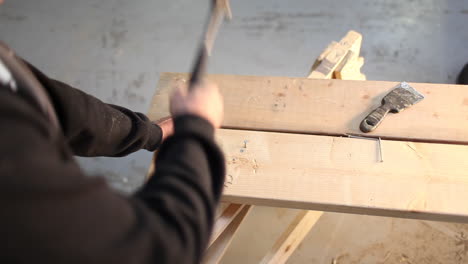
point(292, 237)
point(223, 221)
point(332, 107)
point(216, 251)
point(303, 223)
point(416, 180)
point(296, 231)
point(289, 240)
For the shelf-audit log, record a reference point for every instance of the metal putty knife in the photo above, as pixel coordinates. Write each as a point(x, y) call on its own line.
point(400, 98)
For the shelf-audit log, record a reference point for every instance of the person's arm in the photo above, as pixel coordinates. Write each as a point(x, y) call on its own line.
point(93, 128)
point(178, 190)
point(57, 215)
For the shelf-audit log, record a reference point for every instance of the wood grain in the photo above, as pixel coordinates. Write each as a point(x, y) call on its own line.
point(331, 107)
point(416, 180)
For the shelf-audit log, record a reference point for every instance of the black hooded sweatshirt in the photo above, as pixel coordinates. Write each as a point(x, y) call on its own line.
point(50, 212)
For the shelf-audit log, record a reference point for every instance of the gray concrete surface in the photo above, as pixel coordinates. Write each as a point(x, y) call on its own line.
point(115, 49)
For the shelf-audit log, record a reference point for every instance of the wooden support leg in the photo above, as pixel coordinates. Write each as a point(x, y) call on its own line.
point(292, 237)
point(219, 246)
point(222, 222)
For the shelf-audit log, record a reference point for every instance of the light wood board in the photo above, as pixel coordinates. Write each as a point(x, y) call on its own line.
point(300, 226)
point(331, 107)
point(416, 180)
point(347, 68)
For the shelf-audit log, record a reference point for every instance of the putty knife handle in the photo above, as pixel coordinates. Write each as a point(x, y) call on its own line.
point(374, 119)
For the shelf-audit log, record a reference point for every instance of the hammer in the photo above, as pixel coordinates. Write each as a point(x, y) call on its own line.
point(219, 10)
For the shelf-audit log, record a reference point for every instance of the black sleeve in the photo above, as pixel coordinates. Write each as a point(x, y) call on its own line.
point(178, 190)
point(93, 128)
point(52, 213)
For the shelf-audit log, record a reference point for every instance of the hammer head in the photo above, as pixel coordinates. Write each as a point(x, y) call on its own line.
point(220, 10)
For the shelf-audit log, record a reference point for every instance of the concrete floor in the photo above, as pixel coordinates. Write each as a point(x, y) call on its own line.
point(115, 50)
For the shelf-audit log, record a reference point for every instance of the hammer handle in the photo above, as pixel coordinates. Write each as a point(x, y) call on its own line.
point(199, 68)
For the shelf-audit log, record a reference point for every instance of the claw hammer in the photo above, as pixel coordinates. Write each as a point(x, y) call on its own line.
point(219, 10)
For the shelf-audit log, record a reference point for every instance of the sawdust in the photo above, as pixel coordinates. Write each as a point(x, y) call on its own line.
point(241, 162)
point(237, 164)
point(386, 241)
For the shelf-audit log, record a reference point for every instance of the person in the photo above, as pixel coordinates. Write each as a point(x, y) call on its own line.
point(463, 76)
point(51, 212)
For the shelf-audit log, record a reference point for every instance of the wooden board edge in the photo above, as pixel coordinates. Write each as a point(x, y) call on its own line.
point(337, 208)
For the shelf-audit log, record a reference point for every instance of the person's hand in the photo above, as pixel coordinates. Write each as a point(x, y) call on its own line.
point(167, 126)
point(204, 101)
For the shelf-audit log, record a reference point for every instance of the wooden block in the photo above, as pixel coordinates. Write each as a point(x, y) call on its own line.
point(322, 56)
point(416, 180)
point(350, 69)
point(331, 107)
point(335, 54)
